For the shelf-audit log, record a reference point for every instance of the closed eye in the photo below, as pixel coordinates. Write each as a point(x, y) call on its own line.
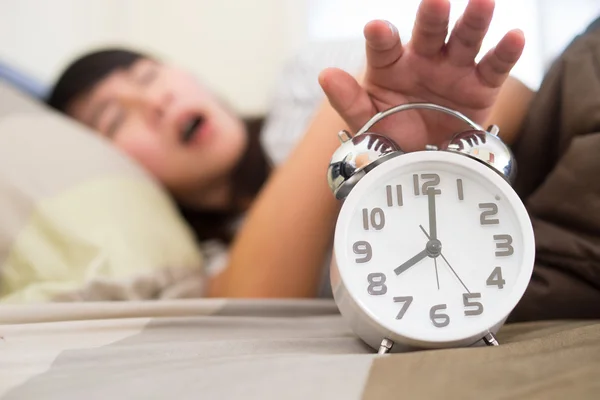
point(115, 123)
point(147, 76)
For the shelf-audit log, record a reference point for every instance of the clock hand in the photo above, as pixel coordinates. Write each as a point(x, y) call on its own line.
point(411, 262)
point(455, 274)
point(432, 217)
point(433, 228)
point(446, 261)
point(436, 273)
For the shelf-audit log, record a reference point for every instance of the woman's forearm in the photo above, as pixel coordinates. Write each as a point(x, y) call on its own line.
point(510, 109)
point(280, 249)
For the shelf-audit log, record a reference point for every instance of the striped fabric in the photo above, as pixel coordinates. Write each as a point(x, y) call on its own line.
point(298, 94)
point(226, 349)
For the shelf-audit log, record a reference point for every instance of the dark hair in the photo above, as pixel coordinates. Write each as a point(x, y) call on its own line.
point(247, 178)
point(86, 72)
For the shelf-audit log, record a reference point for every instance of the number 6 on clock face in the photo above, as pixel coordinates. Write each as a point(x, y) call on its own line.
point(434, 247)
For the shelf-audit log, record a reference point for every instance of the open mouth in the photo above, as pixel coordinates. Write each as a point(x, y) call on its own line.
point(191, 128)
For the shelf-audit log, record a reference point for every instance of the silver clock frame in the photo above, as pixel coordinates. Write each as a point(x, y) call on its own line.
point(359, 154)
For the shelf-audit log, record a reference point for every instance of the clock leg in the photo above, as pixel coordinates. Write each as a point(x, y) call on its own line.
point(490, 339)
point(385, 346)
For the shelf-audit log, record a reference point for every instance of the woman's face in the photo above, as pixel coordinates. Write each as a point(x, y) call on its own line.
point(164, 119)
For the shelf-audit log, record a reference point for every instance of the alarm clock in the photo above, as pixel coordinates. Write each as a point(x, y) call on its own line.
point(432, 248)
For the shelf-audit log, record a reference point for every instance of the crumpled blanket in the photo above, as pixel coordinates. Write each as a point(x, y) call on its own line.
point(558, 155)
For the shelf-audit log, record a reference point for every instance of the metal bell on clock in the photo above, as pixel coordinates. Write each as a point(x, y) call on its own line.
point(488, 148)
point(362, 152)
point(355, 157)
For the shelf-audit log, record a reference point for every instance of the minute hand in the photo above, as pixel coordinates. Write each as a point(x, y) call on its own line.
point(432, 216)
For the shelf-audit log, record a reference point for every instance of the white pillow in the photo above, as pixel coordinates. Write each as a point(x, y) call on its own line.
point(81, 221)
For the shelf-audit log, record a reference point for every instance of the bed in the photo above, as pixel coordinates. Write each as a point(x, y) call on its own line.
point(272, 349)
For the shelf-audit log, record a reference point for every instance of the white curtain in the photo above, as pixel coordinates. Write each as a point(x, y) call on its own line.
point(549, 25)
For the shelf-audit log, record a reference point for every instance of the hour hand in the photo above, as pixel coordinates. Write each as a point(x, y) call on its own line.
point(411, 262)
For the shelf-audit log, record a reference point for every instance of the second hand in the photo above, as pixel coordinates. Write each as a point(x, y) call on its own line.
point(436, 273)
point(446, 261)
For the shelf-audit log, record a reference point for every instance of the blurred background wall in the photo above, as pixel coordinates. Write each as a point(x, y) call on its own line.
point(239, 46)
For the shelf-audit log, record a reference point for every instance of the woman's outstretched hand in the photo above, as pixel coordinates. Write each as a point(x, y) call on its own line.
point(428, 68)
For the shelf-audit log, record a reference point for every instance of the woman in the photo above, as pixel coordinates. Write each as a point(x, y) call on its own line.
point(196, 147)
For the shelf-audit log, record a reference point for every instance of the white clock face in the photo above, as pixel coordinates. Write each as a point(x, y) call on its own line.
point(434, 246)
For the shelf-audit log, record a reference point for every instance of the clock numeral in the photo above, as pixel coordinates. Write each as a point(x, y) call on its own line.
point(459, 188)
point(390, 196)
point(431, 180)
point(439, 319)
point(376, 217)
point(376, 284)
point(363, 248)
point(495, 278)
point(467, 301)
point(503, 245)
point(490, 209)
point(406, 300)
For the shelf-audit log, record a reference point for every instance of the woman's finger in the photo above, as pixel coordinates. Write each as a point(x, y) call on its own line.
point(383, 45)
point(495, 66)
point(466, 37)
point(431, 27)
point(347, 97)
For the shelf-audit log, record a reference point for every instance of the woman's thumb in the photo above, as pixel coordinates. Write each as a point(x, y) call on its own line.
point(347, 97)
